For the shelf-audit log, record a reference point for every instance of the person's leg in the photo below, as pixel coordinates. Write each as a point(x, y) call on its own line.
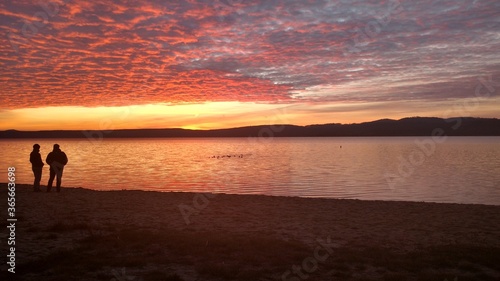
point(51, 179)
point(59, 179)
point(36, 178)
point(37, 171)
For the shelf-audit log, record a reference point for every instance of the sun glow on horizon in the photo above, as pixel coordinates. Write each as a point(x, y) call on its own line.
point(222, 115)
point(210, 115)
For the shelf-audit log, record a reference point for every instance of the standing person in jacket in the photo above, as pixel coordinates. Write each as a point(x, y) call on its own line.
point(36, 166)
point(56, 159)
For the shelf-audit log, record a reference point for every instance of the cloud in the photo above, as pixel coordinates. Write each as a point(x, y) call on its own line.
point(103, 53)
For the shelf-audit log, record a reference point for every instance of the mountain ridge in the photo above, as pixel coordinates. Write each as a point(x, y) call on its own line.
point(409, 126)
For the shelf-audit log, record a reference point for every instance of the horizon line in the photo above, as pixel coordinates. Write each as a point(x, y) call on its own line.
point(261, 125)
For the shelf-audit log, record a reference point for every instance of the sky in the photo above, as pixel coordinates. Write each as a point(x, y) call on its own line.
point(206, 64)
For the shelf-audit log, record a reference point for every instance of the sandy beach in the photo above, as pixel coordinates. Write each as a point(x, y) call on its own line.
point(81, 234)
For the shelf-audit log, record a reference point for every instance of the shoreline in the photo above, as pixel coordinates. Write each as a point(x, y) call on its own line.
point(435, 239)
point(43, 187)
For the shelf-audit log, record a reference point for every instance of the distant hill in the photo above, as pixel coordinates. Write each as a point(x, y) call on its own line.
point(414, 126)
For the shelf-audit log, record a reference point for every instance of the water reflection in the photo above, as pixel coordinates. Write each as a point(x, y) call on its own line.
point(465, 170)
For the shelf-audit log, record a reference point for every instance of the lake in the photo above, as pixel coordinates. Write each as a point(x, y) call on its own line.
point(458, 169)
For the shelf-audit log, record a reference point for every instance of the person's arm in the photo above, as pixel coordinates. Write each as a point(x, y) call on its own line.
point(39, 160)
point(65, 158)
point(48, 160)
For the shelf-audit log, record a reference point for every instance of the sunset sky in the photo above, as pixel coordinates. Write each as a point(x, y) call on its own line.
point(204, 64)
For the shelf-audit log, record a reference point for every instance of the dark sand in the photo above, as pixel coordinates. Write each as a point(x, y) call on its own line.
point(82, 234)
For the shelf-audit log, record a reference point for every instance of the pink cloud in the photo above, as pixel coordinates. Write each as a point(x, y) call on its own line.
point(116, 52)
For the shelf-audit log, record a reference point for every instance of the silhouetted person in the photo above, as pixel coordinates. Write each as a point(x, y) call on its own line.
point(36, 166)
point(56, 159)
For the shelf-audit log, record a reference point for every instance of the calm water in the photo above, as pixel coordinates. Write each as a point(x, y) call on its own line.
point(462, 169)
